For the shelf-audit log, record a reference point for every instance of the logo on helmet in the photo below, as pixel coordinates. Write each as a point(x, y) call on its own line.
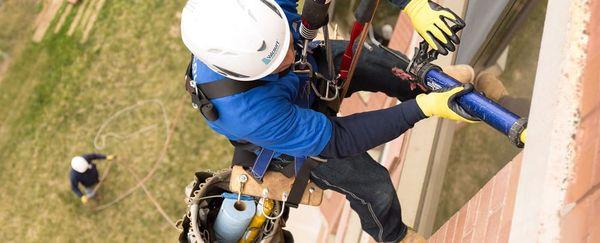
point(269, 57)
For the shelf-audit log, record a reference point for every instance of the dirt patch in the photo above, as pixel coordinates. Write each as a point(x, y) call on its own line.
point(63, 17)
point(85, 18)
point(78, 15)
point(92, 20)
point(44, 19)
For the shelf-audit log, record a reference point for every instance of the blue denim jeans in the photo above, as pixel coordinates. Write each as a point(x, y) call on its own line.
point(90, 191)
point(365, 183)
point(369, 189)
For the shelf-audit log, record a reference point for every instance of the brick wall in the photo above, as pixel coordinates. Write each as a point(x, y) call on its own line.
point(487, 216)
point(403, 33)
point(580, 221)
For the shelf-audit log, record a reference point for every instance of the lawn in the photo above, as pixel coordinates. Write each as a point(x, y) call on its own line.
point(56, 96)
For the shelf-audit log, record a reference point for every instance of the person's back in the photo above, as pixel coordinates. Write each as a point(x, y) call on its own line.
point(230, 40)
point(83, 171)
point(88, 178)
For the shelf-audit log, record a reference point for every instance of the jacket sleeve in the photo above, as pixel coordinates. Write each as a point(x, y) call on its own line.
point(75, 185)
point(91, 157)
point(289, 129)
point(360, 132)
point(400, 3)
point(289, 6)
point(285, 128)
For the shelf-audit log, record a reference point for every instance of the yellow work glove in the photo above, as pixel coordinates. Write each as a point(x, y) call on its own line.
point(111, 157)
point(442, 104)
point(430, 21)
point(84, 199)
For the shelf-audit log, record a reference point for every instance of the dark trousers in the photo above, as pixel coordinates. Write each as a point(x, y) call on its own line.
point(365, 183)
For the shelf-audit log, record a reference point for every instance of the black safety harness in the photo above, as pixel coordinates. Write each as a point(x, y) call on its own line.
point(246, 154)
point(331, 89)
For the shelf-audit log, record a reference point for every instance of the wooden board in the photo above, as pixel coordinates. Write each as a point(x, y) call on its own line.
point(276, 183)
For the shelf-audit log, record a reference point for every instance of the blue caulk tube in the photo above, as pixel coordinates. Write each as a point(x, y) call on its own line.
point(477, 105)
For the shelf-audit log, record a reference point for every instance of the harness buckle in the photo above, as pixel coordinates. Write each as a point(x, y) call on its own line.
point(329, 86)
point(192, 84)
point(303, 67)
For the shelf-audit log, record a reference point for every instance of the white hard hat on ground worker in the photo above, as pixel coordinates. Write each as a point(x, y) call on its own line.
point(79, 164)
point(242, 40)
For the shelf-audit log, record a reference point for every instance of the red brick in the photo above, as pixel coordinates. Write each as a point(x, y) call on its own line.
point(476, 221)
point(483, 212)
point(493, 228)
point(505, 224)
point(501, 181)
point(331, 209)
point(472, 212)
point(460, 224)
point(594, 234)
point(508, 209)
point(451, 229)
point(470, 219)
point(589, 128)
point(595, 210)
point(574, 225)
point(433, 238)
point(596, 172)
point(468, 237)
point(594, 230)
point(402, 35)
point(442, 233)
point(582, 173)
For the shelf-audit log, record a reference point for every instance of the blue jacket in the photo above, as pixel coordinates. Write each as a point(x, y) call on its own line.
point(274, 115)
point(270, 116)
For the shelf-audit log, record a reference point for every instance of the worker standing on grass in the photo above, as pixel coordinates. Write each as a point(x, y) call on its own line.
point(256, 40)
point(83, 171)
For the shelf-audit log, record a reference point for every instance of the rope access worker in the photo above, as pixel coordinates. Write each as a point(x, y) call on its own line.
point(256, 40)
point(83, 171)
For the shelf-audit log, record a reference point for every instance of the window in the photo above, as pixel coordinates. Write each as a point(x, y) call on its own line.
point(507, 61)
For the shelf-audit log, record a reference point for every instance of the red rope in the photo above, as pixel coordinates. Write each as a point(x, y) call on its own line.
point(349, 54)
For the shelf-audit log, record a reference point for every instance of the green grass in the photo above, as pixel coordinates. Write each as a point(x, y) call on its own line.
point(55, 96)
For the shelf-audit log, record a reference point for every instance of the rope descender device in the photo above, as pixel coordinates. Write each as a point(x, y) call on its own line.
point(314, 17)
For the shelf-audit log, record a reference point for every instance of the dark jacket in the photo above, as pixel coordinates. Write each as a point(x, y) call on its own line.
point(88, 178)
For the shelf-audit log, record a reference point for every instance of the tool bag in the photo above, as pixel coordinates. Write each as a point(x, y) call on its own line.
point(256, 170)
point(204, 202)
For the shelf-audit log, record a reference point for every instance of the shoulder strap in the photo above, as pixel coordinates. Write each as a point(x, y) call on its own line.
point(219, 88)
point(227, 87)
point(202, 93)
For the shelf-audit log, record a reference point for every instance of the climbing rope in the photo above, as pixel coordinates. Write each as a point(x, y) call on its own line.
point(152, 199)
point(100, 143)
point(103, 178)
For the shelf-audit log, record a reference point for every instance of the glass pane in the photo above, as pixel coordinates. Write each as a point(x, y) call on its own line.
point(478, 151)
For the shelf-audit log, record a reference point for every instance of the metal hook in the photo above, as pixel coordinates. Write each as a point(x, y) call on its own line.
point(284, 198)
point(242, 179)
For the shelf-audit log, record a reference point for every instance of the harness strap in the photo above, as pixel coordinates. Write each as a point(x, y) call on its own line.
point(262, 163)
point(301, 181)
point(244, 152)
point(227, 87)
point(243, 157)
point(202, 93)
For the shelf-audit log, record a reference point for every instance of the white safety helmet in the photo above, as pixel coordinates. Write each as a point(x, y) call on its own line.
point(79, 164)
point(240, 39)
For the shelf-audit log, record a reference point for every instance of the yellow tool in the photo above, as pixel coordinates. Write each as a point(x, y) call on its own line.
point(265, 206)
